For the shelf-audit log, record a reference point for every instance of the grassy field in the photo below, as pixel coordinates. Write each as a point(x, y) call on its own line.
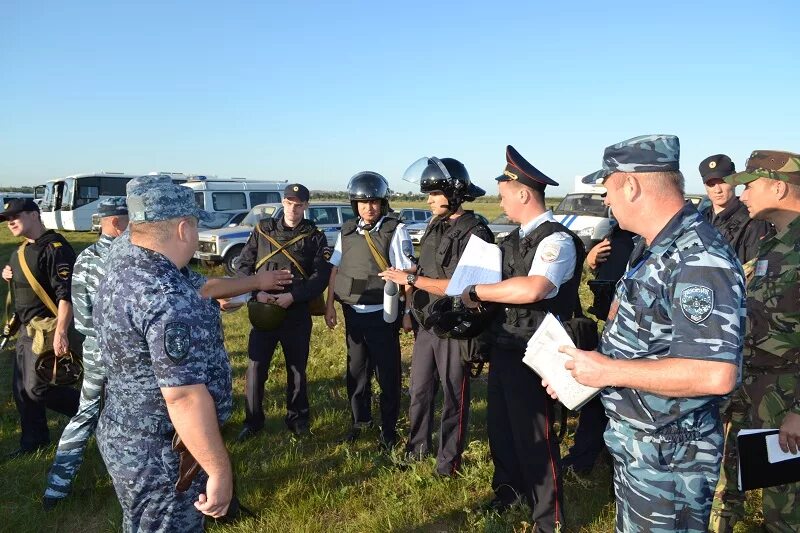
point(307, 484)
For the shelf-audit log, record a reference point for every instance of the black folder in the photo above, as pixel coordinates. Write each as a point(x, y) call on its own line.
point(755, 470)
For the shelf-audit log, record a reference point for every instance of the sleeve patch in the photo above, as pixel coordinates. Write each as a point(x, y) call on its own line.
point(550, 252)
point(697, 302)
point(64, 271)
point(326, 253)
point(177, 339)
point(56, 244)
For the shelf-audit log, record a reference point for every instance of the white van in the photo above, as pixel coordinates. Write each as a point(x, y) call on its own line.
point(213, 194)
point(585, 213)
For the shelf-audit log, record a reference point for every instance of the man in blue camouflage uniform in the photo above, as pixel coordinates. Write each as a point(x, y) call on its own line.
point(89, 270)
point(161, 344)
point(671, 347)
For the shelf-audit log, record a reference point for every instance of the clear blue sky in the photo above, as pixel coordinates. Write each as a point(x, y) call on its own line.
point(317, 91)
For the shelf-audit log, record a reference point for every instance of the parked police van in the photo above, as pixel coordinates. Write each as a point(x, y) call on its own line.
point(212, 194)
point(585, 213)
point(224, 245)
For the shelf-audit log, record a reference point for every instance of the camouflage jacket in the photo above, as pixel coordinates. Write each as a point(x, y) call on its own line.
point(89, 270)
point(155, 331)
point(684, 299)
point(772, 344)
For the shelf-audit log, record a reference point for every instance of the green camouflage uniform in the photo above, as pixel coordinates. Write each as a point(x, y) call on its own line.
point(771, 376)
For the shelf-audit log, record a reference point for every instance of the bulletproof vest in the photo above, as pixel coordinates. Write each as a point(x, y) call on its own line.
point(26, 302)
point(440, 250)
point(357, 280)
point(515, 326)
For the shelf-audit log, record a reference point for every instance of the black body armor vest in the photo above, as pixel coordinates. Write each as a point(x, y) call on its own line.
point(357, 280)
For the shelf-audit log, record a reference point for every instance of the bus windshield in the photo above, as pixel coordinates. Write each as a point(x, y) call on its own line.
point(49, 196)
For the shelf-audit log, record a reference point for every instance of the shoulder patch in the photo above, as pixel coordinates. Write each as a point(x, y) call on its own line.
point(327, 252)
point(550, 252)
point(64, 270)
point(697, 302)
point(407, 247)
point(177, 339)
point(56, 244)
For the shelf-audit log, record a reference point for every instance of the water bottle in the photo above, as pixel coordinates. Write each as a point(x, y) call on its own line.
point(391, 298)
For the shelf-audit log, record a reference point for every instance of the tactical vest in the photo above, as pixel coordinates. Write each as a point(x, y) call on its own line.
point(26, 302)
point(357, 280)
point(515, 326)
point(299, 250)
point(440, 250)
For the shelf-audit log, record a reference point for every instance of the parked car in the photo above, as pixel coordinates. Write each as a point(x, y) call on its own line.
point(222, 219)
point(411, 215)
point(586, 214)
point(224, 245)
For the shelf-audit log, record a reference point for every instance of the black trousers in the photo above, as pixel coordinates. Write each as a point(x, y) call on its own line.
point(294, 336)
point(522, 442)
point(436, 361)
point(33, 395)
point(589, 441)
point(373, 346)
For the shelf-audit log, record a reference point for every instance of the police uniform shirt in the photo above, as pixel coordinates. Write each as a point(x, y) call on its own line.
point(683, 298)
point(399, 249)
point(156, 331)
point(555, 256)
point(54, 259)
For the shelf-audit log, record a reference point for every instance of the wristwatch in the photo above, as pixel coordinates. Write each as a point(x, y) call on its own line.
point(473, 295)
point(411, 279)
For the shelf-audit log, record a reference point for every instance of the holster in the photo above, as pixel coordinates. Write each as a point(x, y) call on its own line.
point(188, 467)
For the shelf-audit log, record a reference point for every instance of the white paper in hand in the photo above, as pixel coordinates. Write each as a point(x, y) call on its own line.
point(543, 357)
point(481, 262)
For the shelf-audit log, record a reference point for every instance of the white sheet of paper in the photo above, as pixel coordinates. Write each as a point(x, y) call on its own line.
point(480, 263)
point(774, 452)
point(543, 357)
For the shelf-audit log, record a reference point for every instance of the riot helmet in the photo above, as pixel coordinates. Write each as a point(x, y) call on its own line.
point(368, 186)
point(450, 319)
point(447, 175)
point(265, 316)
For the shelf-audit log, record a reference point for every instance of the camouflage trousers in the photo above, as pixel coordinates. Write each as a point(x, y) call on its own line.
point(761, 402)
point(144, 470)
point(664, 481)
point(71, 446)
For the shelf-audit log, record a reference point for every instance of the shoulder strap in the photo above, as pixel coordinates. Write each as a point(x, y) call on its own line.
point(34, 283)
point(281, 248)
point(383, 264)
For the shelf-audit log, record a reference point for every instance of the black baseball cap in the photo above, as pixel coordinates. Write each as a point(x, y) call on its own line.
point(17, 206)
point(296, 190)
point(716, 167)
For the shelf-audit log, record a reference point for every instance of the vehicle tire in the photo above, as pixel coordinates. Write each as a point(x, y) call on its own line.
point(232, 259)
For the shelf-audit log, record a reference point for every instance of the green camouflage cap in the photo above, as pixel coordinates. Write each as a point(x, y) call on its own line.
point(772, 164)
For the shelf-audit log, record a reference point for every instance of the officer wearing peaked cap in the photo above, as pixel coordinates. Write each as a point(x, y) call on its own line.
point(542, 264)
point(167, 369)
point(678, 313)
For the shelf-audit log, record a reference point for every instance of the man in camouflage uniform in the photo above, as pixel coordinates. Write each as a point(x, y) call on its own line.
point(770, 393)
point(678, 314)
point(167, 369)
point(86, 275)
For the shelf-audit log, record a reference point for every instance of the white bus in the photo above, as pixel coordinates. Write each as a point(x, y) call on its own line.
point(69, 203)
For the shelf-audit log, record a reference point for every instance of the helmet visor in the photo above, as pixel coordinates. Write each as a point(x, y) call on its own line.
point(427, 172)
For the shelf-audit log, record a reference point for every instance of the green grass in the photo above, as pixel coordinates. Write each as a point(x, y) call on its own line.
point(309, 484)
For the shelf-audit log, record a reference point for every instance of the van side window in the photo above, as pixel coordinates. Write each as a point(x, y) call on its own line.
point(323, 215)
point(200, 200)
point(224, 201)
point(262, 197)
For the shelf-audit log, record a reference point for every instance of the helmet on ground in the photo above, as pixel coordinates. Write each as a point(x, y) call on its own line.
point(265, 317)
point(368, 186)
point(447, 175)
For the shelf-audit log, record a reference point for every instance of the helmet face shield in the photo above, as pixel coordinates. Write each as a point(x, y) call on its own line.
point(430, 174)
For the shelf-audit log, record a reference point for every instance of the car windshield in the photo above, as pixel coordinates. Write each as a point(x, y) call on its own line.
point(582, 204)
point(256, 214)
point(218, 220)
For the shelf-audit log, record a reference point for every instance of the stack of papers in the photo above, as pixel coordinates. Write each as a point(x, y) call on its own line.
point(481, 263)
point(543, 357)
